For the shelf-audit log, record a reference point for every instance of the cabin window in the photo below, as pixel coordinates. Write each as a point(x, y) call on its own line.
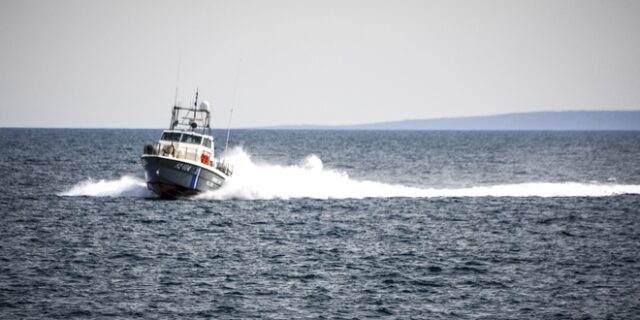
point(171, 136)
point(187, 138)
point(207, 143)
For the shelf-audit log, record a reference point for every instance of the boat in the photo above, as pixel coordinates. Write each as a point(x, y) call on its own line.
point(183, 162)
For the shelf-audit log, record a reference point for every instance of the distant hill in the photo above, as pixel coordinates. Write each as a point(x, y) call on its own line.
point(557, 121)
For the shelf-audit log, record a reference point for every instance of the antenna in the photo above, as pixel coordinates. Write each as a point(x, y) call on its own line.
point(174, 112)
point(175, 100)
point(226, 145)
point(233, 104)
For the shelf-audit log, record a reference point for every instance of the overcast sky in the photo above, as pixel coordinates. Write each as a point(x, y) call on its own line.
point(115, 63)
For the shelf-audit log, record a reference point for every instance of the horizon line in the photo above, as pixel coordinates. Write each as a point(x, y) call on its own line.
point(350, 126)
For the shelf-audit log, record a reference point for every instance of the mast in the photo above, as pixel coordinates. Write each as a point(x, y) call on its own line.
point(195, 108)
point(195, 104)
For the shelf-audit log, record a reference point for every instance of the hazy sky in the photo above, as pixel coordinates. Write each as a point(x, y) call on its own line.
point(115, 63)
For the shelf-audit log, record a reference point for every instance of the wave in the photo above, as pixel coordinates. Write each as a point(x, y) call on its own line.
point(309, 179)
point(125, 186)
point(253, 180)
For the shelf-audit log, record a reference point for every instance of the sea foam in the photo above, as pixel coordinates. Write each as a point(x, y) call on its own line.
point(125, 186)
point(310, 179)
point(254, 180)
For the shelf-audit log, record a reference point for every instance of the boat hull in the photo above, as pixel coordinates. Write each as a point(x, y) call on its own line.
point(169, 177)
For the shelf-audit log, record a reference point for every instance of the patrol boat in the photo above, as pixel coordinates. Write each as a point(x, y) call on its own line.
point(183, 162)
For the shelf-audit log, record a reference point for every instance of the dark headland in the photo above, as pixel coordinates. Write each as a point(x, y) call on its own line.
point(555, 121)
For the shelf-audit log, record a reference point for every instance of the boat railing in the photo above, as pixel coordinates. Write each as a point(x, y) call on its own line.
point(186, 153)
point(225, 167)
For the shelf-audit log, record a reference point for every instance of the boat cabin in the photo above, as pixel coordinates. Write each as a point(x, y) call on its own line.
point(187, 145)
point(189, 138)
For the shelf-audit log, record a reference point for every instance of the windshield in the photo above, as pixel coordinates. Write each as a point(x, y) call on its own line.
point(207, 143)
point(171, 136)
point(187, 138)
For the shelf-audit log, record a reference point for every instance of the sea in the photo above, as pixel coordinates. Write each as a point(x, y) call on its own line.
point(325, 225)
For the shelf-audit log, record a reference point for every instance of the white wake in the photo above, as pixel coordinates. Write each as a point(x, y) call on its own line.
point(254, 180)
point(126, 186)
point(309, 179)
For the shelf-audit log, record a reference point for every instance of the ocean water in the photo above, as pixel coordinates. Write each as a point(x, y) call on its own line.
point(325, 224)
